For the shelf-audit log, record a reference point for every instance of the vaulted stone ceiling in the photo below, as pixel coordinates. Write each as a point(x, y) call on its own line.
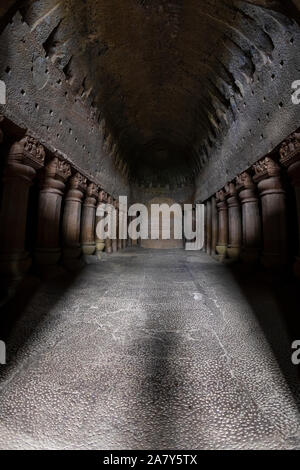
point(167, 77)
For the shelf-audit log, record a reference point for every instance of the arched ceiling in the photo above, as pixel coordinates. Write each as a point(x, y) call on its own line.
point(165, 76)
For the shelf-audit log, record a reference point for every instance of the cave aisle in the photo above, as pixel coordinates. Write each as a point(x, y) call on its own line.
point(150, 350)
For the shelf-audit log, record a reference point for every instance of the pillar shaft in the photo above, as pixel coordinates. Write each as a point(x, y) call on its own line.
point(251, 220)
point(214, 225)
point(100, 216)
point(25, 158)
point(208, 227)
point(234, 222)
point(72, 218)
point(268, 179)
point(223, 225)
point(109, 208)
point(88, 240)
point(50, 202)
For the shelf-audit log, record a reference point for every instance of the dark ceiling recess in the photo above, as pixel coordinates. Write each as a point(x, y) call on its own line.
point(166, 76)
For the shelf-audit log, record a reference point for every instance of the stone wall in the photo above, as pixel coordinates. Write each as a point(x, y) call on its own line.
point(264, 115)
point(41, 101)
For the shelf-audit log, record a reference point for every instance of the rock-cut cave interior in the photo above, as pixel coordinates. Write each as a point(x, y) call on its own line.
point(136, 343)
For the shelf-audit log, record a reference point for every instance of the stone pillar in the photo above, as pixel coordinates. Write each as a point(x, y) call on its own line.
point(124, 219)
point(208, 226)
point(251, 220)
point(101, 211)
point(122, 225)
point(53, 182)
point(234, 222)
point(109, 208)
point(88, 240)
point(25, 158)
point(116, 241)
point(72, 221)
point(290, 158)
point(268, 179)
point(214, 225)
point(221, 247)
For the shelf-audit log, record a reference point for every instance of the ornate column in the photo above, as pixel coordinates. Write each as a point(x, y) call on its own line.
point(221, 247)
point(234, 222)
point(109, 208)
point(208, 226)
point(268, 179)
point(72, 220)
point(116, 241)
point(88, 241)
point(290, 158)
point(251, 220)
point(53, 182)
point(25, 158)
point(100, 215)
point(214, 225)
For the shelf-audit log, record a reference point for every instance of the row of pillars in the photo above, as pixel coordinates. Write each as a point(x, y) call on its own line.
point(67, 205)
point(247, 219)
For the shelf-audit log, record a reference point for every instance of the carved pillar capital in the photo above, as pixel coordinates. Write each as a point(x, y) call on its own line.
point(78, 182)
point(221, 200)
point(290, 157)
point(58, 169)
point(265, 168)
point(28, 151)
point(92, 192)
point(244, 181)
point(290, 150)
point(110, 200)
point(102, 197)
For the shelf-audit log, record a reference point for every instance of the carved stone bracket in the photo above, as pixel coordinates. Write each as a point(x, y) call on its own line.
point(78, 182)
point(290, 150)
point(29, 152)
point(266, 168)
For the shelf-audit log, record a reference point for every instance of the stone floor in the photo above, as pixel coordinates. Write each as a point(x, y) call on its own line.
point(152, 350)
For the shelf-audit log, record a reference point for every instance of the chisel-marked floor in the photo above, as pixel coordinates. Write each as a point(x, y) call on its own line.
point(152, 350)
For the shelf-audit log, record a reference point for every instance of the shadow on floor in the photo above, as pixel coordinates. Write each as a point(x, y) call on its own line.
point(275, 302)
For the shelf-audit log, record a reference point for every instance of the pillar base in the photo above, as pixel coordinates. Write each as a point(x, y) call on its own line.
point(72, 258)
point(233, 252)
point(48, 257)
point(221, 251)
point(88, 249)
point(100, 246)
point(14, 266)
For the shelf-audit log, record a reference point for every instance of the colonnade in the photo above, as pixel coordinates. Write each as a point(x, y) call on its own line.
point(66, 206)
point(247, 219)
